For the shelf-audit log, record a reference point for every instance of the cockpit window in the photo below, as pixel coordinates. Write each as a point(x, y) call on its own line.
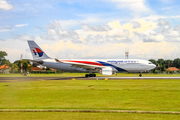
point(150, 63)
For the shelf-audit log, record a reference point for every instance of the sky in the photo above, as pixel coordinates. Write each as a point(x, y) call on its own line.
point(91, 29)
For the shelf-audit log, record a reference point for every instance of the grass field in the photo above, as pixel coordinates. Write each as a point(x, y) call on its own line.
point(144, 95)
point(152, 95)
point(98, 75)
point(84, 116)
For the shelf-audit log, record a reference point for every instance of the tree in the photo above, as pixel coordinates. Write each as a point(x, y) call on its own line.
point(160, 61)
point(176, 62)
point(8, 63)
point(163, 68)
point(25, 63)
point(2, 57)
point(168, 63)
point(48, 69)
point(153, 61)
point(18, 63)
point(155, 71)
point(14, 68)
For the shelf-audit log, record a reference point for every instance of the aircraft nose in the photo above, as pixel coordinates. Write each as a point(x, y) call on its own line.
point(153, 66)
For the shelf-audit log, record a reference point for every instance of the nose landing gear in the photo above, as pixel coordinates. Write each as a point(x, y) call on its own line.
point(140, 75)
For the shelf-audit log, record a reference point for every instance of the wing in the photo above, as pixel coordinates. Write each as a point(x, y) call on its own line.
point(82, 64)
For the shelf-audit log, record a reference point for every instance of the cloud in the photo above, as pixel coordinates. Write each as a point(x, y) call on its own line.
point(97, 34)
point(96, 41)
point(119, 33)
point(55, 32)
point(6, 28)
point(21, 25)
point(145, 50)
point(38, 27)
point(136, 24)
point(54, 24)
point(154, 17)
point(69, 24)
point(14, 48)
point(23, 37)
point(67, 49)
point(177, 16)
point(132, 32)
point(177, 28)
point(153, 38)
point(102, 32)
point(47, 37)
point(162, 22)
point(4, 5)
point(171, 35)
point(135, 6)
point(163, 32)
point(87, 27)
point(69, 35)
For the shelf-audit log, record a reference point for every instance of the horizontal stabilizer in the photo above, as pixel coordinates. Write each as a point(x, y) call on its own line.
point(35, 61)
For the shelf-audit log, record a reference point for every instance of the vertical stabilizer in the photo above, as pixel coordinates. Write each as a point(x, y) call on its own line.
point(36, 51)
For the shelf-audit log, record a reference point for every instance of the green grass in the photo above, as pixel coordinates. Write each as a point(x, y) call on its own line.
point(98, 75)
point(145, 95)
point(83, 116)
point(149, 95)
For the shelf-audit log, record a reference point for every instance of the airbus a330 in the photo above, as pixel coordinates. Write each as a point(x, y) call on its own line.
point(91, 66)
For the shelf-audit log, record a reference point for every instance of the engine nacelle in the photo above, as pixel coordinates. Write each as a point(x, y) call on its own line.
point(107, 71)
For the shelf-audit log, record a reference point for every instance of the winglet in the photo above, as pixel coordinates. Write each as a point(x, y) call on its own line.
point(57, 60)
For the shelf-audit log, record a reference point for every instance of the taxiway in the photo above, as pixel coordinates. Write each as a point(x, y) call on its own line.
point(11, 79)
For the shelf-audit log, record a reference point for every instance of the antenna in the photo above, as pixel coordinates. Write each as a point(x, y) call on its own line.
point(126, 53)
point(21, 65)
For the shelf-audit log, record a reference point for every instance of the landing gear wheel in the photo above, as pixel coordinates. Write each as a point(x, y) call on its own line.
point(87, 75)
point(94, 75)
point(140, 75)
point(90, 75)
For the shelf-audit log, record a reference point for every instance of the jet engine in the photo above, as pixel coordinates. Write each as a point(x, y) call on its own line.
point(107, 71)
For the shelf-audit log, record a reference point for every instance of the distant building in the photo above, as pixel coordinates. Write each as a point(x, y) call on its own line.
point(37, 69)
point(53, 69)
point(5, 69)
point(172, 69)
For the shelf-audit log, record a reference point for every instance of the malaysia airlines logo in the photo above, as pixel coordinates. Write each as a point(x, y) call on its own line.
point(37, 51)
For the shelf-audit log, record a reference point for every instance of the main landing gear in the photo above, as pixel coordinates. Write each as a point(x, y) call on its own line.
point(90, 75)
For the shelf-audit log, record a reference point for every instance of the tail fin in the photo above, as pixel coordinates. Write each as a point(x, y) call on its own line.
point(36, 51)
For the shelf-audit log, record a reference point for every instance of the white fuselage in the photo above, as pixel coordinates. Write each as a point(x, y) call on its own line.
point(103, 66)
point(117, 65)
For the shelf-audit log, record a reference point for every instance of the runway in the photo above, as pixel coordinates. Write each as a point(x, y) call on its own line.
point(139, 78)
point(11, 79)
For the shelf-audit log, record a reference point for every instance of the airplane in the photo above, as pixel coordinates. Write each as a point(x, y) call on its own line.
point(91, 66)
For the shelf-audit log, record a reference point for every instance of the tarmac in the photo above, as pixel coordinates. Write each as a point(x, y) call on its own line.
point(11, 79)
